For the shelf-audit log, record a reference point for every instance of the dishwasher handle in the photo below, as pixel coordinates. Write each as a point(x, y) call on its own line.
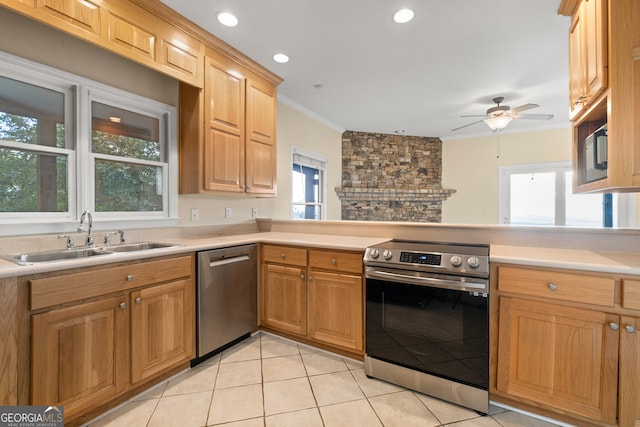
point(215, 262)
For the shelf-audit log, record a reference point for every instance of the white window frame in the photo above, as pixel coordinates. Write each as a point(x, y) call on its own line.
point(313, 160)
point(79, 93)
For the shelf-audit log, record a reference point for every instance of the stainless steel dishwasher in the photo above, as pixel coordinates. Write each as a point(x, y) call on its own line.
point(226, 298)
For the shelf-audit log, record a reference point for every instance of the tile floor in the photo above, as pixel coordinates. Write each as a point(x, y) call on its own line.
point(267, 381)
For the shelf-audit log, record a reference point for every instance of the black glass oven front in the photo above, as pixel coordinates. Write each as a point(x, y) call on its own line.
point(441, 332)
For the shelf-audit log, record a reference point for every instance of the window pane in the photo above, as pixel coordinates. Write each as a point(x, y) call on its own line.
point(32, 182)
point(126, 187)
point(583, 210)
point(533, 198)
point(31, 114)
point(123, 133)
point(306, 212)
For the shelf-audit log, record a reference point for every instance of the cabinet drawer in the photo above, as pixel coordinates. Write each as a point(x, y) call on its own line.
point(631, 294)
point(66, 288)
point(284, 255)
point(580, 288)
point(333, 260)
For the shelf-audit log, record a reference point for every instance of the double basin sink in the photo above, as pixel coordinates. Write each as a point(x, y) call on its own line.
point(76, 253)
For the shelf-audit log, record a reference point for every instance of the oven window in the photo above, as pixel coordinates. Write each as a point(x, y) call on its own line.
point(437, 331)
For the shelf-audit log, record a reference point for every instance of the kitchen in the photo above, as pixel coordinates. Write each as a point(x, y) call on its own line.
point(612, 240)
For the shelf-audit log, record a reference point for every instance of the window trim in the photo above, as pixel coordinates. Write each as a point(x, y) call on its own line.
point(78, 92)
point(316, 161)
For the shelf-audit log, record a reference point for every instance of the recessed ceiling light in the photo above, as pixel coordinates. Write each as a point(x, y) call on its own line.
point(281, 58)
point(115, 119)
point(227, 19)
point(403, 16)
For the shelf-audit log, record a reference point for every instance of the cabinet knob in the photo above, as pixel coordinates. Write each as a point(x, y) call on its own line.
point(614, 326)
point(282, 255)
point(629, 328)
point(333, 261)
point(123, 306)
point(129, 278)
point(310, 278)
point(138, 300)
point(302, 277)
point(553, 286)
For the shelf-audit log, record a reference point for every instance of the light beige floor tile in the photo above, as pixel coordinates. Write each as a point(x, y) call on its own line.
point(283, 368)
point(153, 393)
point(476, 422)
point(350, 414)
point(133, 414)
point(287, 396)
point(446, 412)
point(213, 360)
point(242, 351)
point(317, 363)
point(239, 373)
point(333, 388)
point(306, 418)
point(200, 378)
point(373, 387)
point(274, 346)
point(402, 409)
point(235, 404)
point(253, 422)
point(353, 364)
point(185, 410)
point(515, 419)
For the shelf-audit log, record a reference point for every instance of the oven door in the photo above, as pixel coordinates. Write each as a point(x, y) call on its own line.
point(414, 322)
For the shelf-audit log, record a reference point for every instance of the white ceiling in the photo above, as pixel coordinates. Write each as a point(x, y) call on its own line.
point(420, 77)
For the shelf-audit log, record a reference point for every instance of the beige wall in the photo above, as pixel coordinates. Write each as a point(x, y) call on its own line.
point(471, 167)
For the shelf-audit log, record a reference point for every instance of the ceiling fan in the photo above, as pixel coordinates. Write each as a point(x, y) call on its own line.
point(498, 117)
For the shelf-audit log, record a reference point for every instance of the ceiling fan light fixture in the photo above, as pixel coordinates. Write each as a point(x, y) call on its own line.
point(498, 122)
point(403, 16)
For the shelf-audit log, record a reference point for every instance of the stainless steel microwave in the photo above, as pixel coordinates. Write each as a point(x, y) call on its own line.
point(595, 146)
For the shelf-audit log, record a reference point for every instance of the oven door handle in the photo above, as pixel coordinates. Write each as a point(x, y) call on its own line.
point(433, 282)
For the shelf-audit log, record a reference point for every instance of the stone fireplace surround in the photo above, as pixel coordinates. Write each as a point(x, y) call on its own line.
point(391, 178)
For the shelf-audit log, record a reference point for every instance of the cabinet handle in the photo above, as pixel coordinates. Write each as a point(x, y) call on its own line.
point(302, 277)
point(283, 256)
point(553, 286)
point(614, 326)
point(123, 306)
point(333, 261)
point(310, 278)
point(138, 300)
point(129, 278)
point(629, 328)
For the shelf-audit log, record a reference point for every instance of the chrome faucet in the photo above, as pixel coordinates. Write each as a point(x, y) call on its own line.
point(81, 227)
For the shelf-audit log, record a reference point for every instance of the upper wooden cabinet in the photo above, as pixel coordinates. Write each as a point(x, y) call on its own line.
point(238, 149)
point(587, 53)
point(605, 89)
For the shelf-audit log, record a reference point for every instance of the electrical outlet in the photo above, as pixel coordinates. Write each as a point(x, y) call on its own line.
point(254, 212)
point(227, 212)
point(195, 214)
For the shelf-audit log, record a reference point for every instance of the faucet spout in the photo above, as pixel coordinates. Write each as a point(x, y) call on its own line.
point(87, 214)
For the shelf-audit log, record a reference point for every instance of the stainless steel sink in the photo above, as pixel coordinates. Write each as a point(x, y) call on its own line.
point(142, 246)
point(60, 255)
point(69, 254)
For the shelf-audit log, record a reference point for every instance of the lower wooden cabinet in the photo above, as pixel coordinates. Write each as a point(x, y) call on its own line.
point(315, 294)
point(629, 394)
point(123, 326)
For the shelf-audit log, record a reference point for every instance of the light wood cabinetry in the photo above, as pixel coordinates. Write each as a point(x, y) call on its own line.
point(566, 343)
point(97, 334)
point(239, 150)
point(605, 76)
point(316, 294)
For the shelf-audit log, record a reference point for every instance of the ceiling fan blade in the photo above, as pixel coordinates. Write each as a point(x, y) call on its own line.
point(524, 107)
point(469, 124)
point(476, 115)
point(534, 116)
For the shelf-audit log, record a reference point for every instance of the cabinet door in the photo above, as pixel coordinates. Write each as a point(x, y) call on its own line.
point(261, 138)
point(79, 355)
point(335, 309)
point(285, 298)
point(162, 328)
point(629, 398)
point(79, 17)
point(561, 357)
point(223, 162)
point(577, 72)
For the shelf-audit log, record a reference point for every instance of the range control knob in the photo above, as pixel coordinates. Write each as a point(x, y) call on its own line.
point(473, 262)
point(456, 260)
point(387, 254)
point(374, 253)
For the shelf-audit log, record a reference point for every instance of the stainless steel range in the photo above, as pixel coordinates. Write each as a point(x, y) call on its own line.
point(427, 325)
